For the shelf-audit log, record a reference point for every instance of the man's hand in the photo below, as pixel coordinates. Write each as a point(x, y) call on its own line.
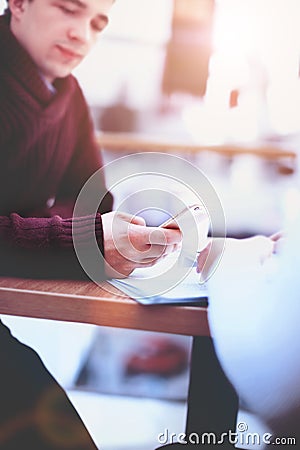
point(129, 243)
point(253, 250)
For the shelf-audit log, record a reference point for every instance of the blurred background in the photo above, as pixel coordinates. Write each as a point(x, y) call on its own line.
point(207, 73)
point(210, 73)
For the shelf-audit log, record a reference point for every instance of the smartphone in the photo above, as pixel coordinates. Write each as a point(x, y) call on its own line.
point(186, 220)
point(198, 211)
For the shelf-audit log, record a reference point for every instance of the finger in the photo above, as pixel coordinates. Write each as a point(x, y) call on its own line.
point(155, 251)
point(276, 236)
point(138, 220)
point(202, 258)
point(279, 239)
point(149, 251)
point(150, 262)
point(135, 220)
point(162, 236)
point(278, 244)
point(168, 249)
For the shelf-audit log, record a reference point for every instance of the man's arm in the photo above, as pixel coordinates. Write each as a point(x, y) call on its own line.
point(43, 247)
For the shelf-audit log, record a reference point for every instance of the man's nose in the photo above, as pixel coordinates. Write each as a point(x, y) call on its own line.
point(80, 31)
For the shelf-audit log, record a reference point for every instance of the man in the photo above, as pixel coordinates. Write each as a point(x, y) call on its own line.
point(47, 153)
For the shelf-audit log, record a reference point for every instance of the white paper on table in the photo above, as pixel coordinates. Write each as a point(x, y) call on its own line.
point(143, 285)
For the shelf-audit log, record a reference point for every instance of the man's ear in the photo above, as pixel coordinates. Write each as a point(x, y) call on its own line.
point(16, 7)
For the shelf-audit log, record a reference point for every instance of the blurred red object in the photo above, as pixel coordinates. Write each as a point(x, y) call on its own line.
point(162, 356)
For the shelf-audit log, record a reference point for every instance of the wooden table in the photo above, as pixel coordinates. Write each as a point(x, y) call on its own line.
point(130, 142)
point(211, 399)
point(86, 302)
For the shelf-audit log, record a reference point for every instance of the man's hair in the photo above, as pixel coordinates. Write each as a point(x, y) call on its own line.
point(7, 12)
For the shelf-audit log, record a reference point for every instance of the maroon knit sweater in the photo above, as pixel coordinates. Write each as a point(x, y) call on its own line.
point(47, 151)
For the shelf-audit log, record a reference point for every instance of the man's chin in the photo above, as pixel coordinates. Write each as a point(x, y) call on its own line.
point(60, 72)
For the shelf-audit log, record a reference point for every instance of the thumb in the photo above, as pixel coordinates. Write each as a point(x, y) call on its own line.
point(137, 220)
point(131, 219)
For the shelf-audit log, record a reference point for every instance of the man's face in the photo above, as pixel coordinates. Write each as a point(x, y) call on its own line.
point(58, 34)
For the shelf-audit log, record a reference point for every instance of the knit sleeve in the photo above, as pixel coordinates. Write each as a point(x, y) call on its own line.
point(44, 247)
